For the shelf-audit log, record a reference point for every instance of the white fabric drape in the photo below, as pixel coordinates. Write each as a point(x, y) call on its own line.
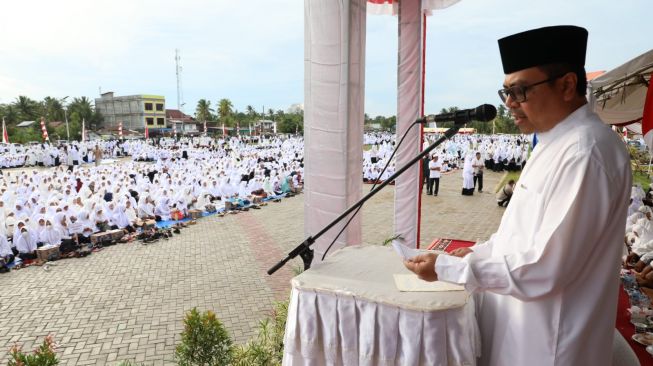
point(334, 91)
point(409, 101)
point(348, 311)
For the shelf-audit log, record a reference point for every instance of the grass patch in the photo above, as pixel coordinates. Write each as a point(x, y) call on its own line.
point(641, 178)
point(638, 177)
point(367, 147)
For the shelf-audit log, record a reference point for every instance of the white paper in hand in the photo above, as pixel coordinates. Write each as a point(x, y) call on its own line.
point(404, 251)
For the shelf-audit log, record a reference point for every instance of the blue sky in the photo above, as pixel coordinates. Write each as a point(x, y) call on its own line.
point(252, 51)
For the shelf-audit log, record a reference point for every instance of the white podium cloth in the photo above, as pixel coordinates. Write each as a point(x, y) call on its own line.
point(347, 311)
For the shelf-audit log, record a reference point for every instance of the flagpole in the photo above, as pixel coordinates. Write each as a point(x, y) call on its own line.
point(5, 136)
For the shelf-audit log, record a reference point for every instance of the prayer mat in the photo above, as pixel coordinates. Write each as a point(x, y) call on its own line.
point(627, 329)
point(449, 245)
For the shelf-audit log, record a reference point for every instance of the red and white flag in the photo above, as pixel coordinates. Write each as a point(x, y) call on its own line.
point(224, 132)
point(44, 130)
point(120, 130)
point(83, 130)
point(174, 131)
point(5, 136)
point(647, 116)
point(206, 132)
point(147, 133)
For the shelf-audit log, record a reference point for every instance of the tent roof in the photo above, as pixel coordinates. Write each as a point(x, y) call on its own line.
point(618, 95)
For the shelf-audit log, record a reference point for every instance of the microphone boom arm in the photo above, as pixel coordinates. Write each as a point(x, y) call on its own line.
point(304, 249)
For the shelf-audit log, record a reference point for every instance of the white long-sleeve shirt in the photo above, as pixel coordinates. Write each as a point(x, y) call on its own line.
point(548, 278)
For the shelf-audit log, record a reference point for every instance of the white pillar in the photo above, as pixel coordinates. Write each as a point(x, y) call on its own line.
point(409, 102)
point(334, 91)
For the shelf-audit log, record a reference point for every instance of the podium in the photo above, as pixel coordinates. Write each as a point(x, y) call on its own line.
point(348, 311)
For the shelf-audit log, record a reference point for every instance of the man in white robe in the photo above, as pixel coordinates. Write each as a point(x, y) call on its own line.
point(548, 279)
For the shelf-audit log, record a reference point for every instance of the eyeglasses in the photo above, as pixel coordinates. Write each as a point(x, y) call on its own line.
point(518, 92)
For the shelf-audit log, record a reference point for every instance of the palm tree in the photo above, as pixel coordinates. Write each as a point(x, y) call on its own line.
point(225, 109)
point(9, 113)
point(251, 112)
point(81, 106)
point(53, 109)
point(27, 108)
point(203, 110)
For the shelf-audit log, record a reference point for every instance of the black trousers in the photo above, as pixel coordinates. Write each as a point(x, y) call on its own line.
point(433, 183)
point(478, 178)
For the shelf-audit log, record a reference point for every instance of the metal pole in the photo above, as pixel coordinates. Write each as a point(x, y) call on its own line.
point(65, 115)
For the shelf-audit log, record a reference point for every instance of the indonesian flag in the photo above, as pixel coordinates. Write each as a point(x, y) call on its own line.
point(174, 130)
point(120, 130)
point(83, 130)
point(647, 117)
point(5, 136)
point(44, 130)
point(147, 133)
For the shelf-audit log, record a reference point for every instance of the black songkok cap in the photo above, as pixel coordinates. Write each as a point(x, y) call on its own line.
point(542, 46)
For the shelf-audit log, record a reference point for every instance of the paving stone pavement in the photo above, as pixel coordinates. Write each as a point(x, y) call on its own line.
point(127, 302)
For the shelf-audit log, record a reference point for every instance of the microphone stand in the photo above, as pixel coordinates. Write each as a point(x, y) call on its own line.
point(304, 249)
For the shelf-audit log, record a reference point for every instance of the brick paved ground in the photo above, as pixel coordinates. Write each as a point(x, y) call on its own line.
point(128, 301)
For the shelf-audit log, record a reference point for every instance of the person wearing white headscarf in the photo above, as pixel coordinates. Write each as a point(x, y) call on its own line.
point(50, 236)
point(120, 218)
point(468, 177)
point(162, 209)
point(26, 244)
point(146, 208)
point(6, 254)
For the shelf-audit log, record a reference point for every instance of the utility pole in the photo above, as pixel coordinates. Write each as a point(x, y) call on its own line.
point(179, 102)
point(65, 116)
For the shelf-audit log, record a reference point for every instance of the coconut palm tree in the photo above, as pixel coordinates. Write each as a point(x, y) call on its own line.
point(53, 109)
point(203, 110)
point(27, 108)
point(251, 112)
point(225, 109)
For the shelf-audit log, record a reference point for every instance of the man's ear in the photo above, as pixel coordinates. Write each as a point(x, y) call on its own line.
point(569, 82)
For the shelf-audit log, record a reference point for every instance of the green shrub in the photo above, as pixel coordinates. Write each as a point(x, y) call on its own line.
point(204, 341)
point(44, 355)
point(267, 348)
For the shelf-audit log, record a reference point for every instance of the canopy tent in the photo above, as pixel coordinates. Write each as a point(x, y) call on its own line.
point(618, 95)
point(334, 94)
point(623, 96)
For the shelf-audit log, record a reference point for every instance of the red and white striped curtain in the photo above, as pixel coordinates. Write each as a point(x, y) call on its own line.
point(44, 130)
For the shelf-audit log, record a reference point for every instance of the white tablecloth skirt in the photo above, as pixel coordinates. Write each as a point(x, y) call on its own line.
point(335, 329)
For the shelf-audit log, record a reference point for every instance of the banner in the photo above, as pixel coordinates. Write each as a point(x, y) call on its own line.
point(44, 131)
point(120, 130)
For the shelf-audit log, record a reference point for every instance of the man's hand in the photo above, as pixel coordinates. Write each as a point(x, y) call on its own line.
point(423, 266)
point(461, 252)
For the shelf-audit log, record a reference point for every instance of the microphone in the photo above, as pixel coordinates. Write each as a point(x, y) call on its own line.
point(482, 113)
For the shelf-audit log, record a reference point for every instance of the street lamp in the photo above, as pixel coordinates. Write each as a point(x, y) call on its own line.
point(65, 116)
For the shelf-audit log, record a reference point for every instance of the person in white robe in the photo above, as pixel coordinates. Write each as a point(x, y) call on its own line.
point(25, 243)
point(468, 177)
point(547, 280)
